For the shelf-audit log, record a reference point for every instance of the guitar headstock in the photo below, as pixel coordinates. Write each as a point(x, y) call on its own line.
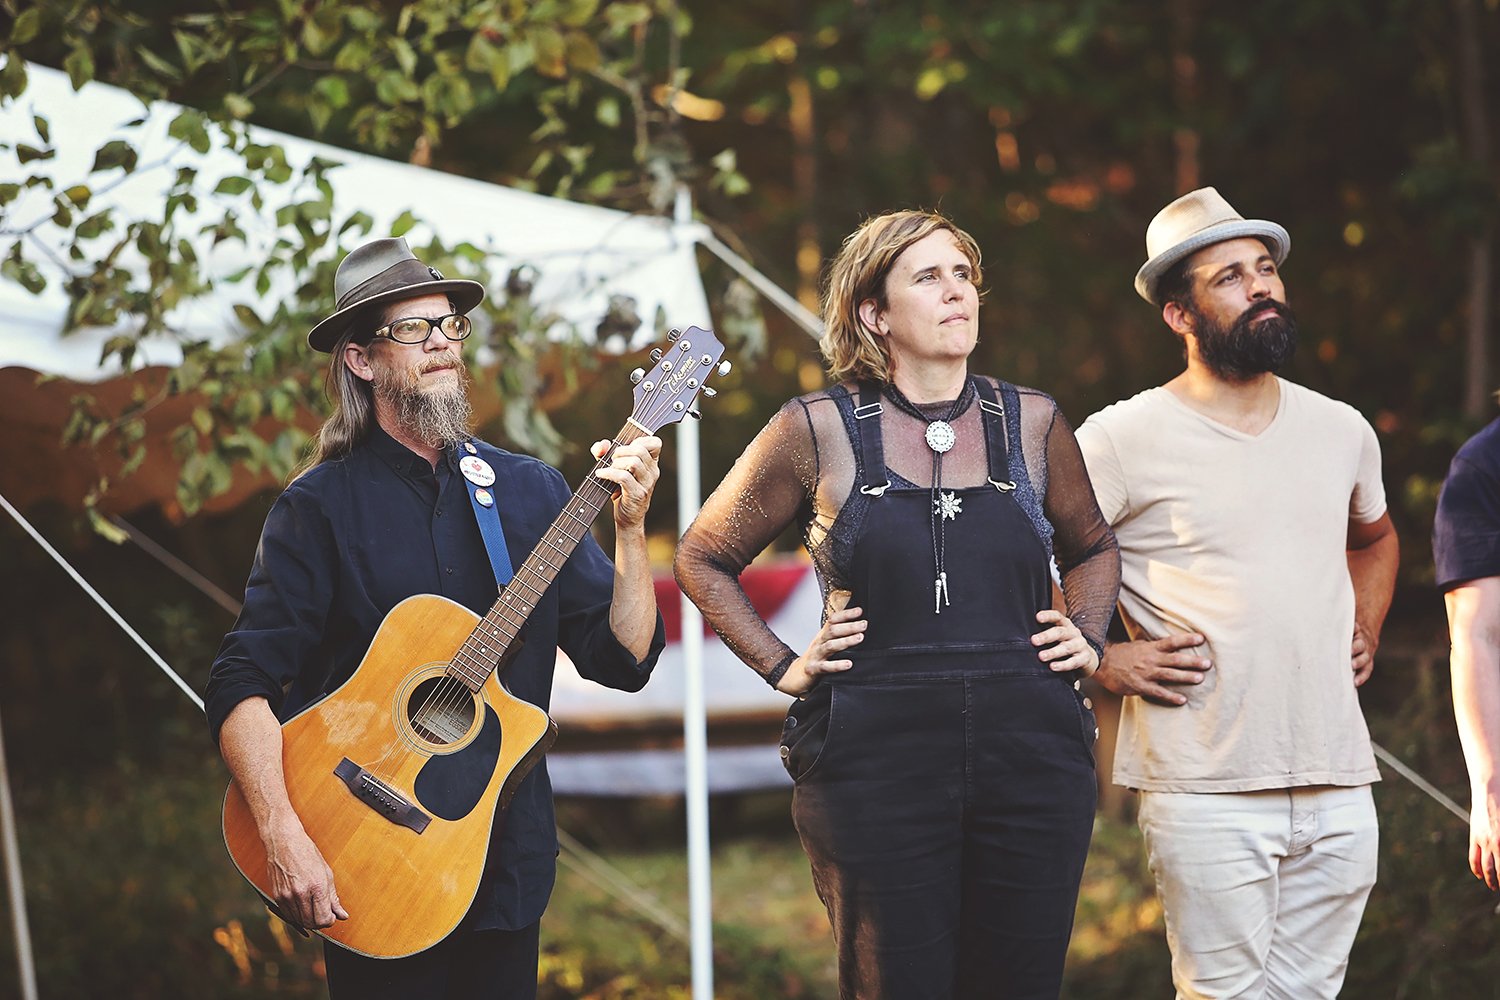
point(666, 393)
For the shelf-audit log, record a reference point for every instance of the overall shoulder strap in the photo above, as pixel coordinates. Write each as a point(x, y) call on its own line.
point(996, 432)
point(872, 445)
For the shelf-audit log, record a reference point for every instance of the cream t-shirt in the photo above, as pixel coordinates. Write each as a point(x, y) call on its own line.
point(1241, 538)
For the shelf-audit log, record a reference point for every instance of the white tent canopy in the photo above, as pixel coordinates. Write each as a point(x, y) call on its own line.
point(583, 254)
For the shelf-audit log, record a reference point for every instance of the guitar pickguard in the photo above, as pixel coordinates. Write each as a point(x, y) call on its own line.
point(451, 785)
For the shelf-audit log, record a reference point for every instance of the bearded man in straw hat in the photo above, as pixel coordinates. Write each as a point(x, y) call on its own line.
point(1258, 562)
point(383, 512)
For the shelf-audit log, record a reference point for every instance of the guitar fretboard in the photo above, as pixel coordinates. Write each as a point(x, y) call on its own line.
point(487, 645)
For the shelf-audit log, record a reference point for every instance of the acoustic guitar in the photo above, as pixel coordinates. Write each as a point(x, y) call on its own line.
point(400, 773)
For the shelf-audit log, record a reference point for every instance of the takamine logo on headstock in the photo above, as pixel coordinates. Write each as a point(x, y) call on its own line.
point(666, 393)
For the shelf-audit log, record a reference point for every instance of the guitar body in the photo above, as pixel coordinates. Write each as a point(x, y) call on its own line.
point(397, 777)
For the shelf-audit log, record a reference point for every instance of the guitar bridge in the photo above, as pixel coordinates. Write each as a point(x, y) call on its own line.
point(381, 797)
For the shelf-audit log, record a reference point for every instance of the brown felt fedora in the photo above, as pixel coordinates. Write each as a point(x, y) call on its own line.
point(1199, 219)
point(385, 271)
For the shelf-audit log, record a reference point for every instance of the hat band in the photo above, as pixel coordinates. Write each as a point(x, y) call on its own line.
point(402, 274)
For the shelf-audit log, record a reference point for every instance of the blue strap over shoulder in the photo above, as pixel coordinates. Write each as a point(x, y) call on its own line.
point(487, 514)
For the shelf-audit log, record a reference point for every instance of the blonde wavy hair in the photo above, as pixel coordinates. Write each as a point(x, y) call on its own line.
point(851, 350)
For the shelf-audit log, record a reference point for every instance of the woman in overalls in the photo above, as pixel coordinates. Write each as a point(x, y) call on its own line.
point(941, 750)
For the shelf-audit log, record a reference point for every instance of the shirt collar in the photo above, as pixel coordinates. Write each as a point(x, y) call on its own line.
point(402, 460)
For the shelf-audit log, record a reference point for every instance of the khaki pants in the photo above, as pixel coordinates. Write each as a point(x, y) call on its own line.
point(1262, 891)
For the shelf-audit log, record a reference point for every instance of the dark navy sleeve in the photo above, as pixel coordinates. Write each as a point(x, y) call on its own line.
point(585, 587)
point(1466, 531)
point(287, 599)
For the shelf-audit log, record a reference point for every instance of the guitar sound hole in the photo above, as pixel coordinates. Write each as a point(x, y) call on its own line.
point(441, 710)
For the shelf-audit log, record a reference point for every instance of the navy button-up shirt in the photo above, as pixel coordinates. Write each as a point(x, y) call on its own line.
point(354, 537)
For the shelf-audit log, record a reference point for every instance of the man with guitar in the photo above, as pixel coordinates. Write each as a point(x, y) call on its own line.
point(392, 505)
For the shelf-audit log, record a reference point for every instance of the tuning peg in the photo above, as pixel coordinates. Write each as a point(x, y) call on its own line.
point(685, 346)
point(710, 392)
point(655, 354)
point(637, 375)
point(695, 414)
point(672, 335)
point(724, 368)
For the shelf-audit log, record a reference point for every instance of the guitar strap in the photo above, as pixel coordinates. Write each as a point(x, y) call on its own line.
point(480, 477)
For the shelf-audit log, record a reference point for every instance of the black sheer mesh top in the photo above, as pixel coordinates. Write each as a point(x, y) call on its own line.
point(802, 469)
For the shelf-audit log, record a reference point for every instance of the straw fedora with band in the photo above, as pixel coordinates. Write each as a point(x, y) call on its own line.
point(1199, 219)
point(385, 271)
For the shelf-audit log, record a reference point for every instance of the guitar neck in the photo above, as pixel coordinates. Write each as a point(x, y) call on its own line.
point(492, 639)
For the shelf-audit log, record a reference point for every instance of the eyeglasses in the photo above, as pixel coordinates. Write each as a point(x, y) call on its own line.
point(416, 329)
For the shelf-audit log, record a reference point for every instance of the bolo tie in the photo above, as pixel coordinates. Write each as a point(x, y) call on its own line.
point(946, 504)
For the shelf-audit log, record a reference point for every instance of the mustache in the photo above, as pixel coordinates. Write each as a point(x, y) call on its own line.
point(444, 360)
point(1263, 307)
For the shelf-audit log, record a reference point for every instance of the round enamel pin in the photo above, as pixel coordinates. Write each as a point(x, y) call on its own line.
point(469, 447)
point(485, 498)
point(476, 470)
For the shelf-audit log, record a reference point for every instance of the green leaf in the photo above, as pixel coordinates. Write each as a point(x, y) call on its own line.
point(607, 112)
point(582, 52)
point(42, 128)
point(550, 51)
point(191, 127)
point(626, 15)
point(79, 65)
point(27, 154)
point(238, 106)
point(577, 13)
point(360, 221)
point(94, 226)
point(115, 153)
point(13, 75)
point(334, 89)
point(27, 26)
point(233, 185)
point(403, 224)
point(158, 64)
point(406, 56)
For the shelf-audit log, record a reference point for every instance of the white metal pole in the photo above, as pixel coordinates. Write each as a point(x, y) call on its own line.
point(694, 715)
point(27, 967)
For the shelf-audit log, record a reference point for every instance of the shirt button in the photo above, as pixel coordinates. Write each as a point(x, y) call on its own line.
point(786, 752)
point(1078, 685)
point(791, 722)
point(1088, 703)
point(450, 570)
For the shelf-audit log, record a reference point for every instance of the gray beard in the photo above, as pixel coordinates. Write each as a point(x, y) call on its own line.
point(440, 417)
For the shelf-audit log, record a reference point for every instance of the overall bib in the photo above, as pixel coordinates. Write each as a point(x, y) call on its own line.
point(945, 784)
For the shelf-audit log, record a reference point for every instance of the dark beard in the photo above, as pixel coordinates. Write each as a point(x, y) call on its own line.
point(439, 417)
point(1245, 349)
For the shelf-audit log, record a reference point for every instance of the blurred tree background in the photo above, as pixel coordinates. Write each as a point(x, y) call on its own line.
point(1051, 130)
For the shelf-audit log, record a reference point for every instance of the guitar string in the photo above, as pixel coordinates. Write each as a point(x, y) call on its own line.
point(448, 693)
point(454, 694)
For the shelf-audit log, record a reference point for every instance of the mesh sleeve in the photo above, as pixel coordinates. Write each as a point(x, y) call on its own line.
point(769, 489)
point(1088, 557)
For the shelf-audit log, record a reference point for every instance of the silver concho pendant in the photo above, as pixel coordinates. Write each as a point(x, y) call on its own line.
point(940, 436)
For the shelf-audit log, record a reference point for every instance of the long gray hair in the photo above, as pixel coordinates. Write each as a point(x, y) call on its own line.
point(353, 411)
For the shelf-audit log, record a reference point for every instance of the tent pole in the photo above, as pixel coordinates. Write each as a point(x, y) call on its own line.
point(694, 714)
point(27, 966)
point(795, 310)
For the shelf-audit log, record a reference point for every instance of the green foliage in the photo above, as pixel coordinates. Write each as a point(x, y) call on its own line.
point(363, 74)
